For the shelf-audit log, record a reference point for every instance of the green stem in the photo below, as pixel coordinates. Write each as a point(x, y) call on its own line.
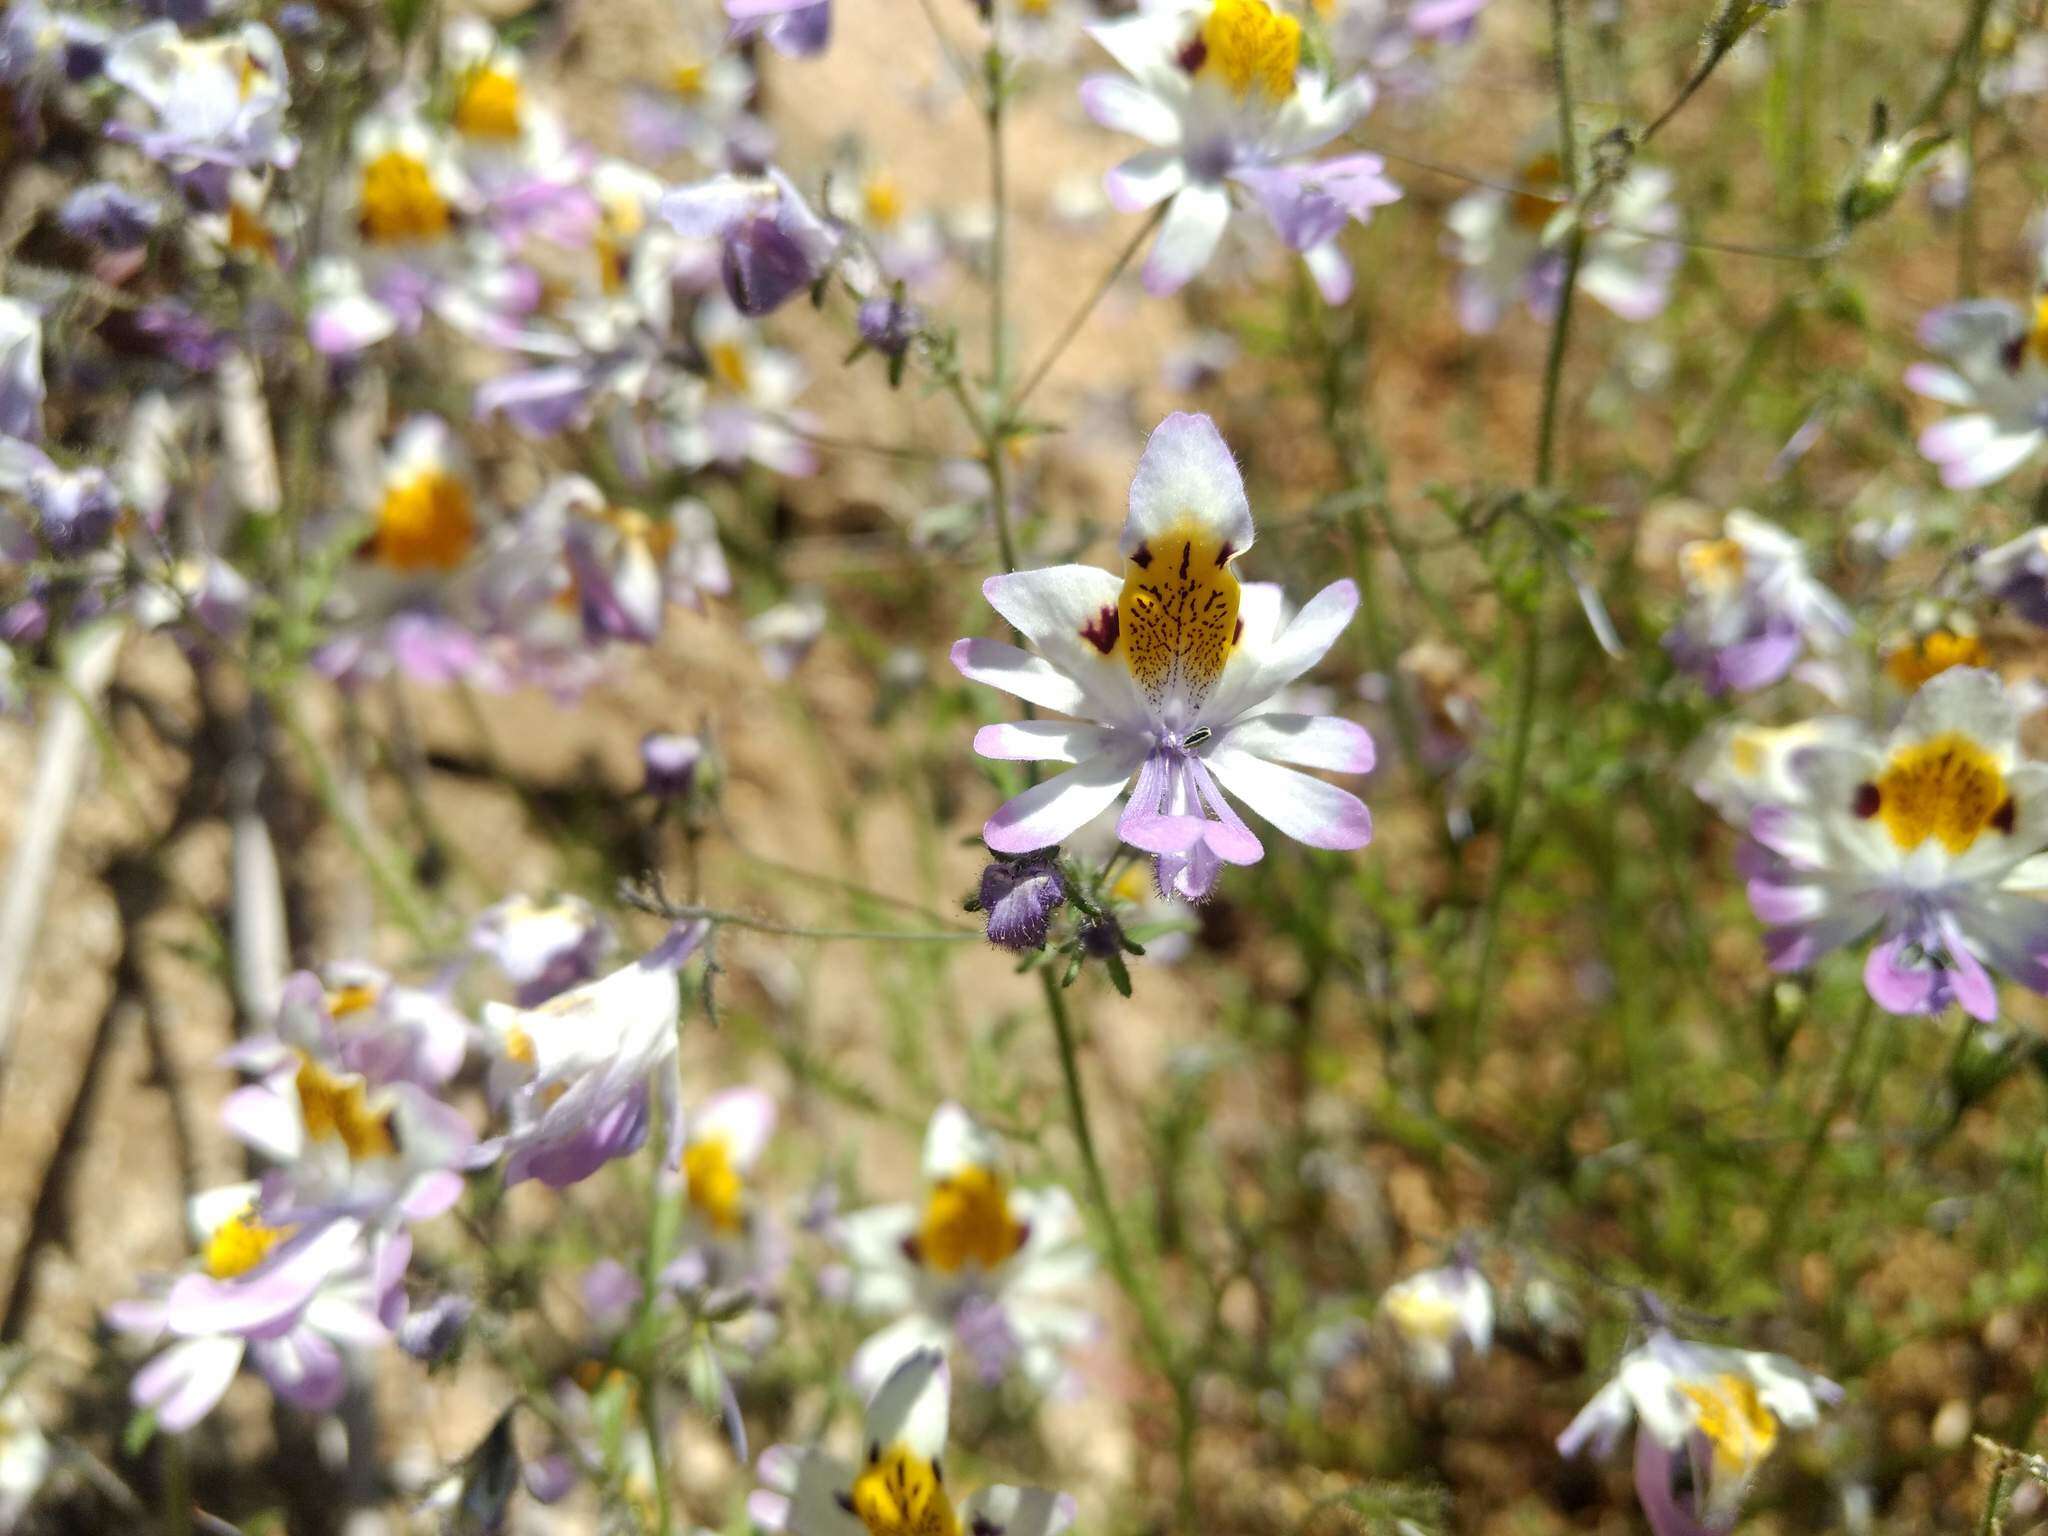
point(1989, 1524)
point(1952, 68)
point(658, 1228)
point(1790, 1198)
point(177, 1487)
point(1080, 316)
point(719, 918)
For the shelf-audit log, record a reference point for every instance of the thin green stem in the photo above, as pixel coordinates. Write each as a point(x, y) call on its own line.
point(720, 918)
point(177, 1486)
point(1952, 67)
point(1992, 1503)
point(1080, 316)
point(1791, 1196)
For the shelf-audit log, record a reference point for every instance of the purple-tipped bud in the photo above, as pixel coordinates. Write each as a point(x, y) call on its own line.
point(110, 217)
point(76, 511)
point(1020, 897)
point(431, 1332)
point(889, 325)
point(1101, 937)
point(670, 760)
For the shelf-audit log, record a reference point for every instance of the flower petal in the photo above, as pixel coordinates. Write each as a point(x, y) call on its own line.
point(912, 1406)
point(1187, 474)
point(1003, 1511)
point(1145, 180)
point(1123, 106)
point(1030, 678)
point(1308, 741)
point(1306, 809)
point(1195, 222)
point(1050, 812)
point(1041, 741)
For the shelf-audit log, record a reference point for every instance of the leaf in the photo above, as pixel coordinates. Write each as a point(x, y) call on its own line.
point(1119, 973)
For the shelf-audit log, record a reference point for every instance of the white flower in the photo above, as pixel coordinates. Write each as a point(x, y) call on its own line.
point(1927, 836)
point(1434, 1311)
point(1510, 244)
point(1752, 607)
point(746, 409)
point(978, 1260)
point(1734, 1402)
point(899, 1488)
point(1174, 668)
point(1221, 93)
point(1996, 373)
point(217, 102)
point(21, 371)
point(579, 1073)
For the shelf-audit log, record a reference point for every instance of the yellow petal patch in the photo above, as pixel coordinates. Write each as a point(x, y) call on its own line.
point(488, 107)
point(399, 201)
point(425, 523)
point(687, 80)
point(355, 998)
point(899, 1494)
point(1911, 665)
point(1713, 565)
point(239, 1244)
point(2037, 336)
point(717, 1193)
point(1735, 1423)
point(1421, 1314)
point(1249, 46)
point(1532, 209)
point(966, 1221)
point(1176, 618)
point(881, 201)
point(1947, 788)
point(337, 1108)
point(728, 365)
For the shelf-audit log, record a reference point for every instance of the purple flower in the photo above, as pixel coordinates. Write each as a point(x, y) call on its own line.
point(432, 1332)
point(772, 246)
point(796, 29)
point(217, 104)
point(76, 510)
point(542, 949)
point(1020, 897)
point(889, 325)
point(670, 761)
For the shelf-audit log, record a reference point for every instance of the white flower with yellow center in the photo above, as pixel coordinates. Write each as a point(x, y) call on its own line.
point(1435, 1312)
point(1223, 95)
point(425, 522)
point(1511, 245)
point(745, 406)
point(1752, 607)
point(1927, 836)
point(898, 1486)
point(1995, 373)
point(217, 103)
point(407, 193)
point(978, 1262)
point(1172, 673)
point(1724, 1409)
point(723, 1140)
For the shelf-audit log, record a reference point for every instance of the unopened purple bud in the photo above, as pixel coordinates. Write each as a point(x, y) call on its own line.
point(1020, 897)
point(1101, 937)
point(429, 1333)
point(182, 335)
point(670, 760)
point(110, 217)
point(76, 512)
point(889, 325)
point(299, 19)
point(763, 266)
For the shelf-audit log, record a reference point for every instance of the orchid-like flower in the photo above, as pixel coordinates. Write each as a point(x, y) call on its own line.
point(1752, 608)
point(1995, 372)
point(699, 105)
point(1171, 673)
point(746, 409)
point(899, 1489)
point(287, 1298)
point(796, 29)
point(578, 1075)
point(542, 948)
point(1927, 836)
point(345, 1101)
point(979, 1263)
point(723, 1141)
point(218, 104)
point(1720, 1411)
point(1510, 245)
point(1435, 1312)
point(1222, 95)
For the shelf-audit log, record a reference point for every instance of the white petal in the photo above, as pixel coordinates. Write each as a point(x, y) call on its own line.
point(1309, 741)
point(1030, 678)
point(1194, 223)
point(1042, 741)
point(1145, 180)
point(1124, 106)
point(1018, 1511)
point(1187, 474)
point(1050, 812)
point(1057, 608)
point(1257, 672)
point(1306, 809)
point(743, 1117)
point(953, 1141)
point(910, 1409)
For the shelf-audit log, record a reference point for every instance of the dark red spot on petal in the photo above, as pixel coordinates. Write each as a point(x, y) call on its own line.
point(1194, 55)
point(1867, 801)
point(1185, 551)
point(1141, 557)
point(1101, 631)
point(1237, 634)
point(1223, 555)
point(913, 1250)
point(2002, 818)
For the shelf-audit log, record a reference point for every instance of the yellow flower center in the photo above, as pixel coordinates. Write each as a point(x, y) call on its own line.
point(2037, 335)
point(489, 105)
point(1176, 618)
point(1946, 788)
point(355, 998)
point(399, 201)
point(1248, 45)
point(1732, 1417)
point(1422, 1314)
point(426, 523)
point(1715, 565)
point(729, 365)
point(1542, 179)
point(716, 1190)
point(687, 81)
point(519, 1047)
point(239, 1244)
point(337, 1108)
point(899, 1494)
point(1034, 7)
point(881, 201)
point(966, 1221)
point(1911, 665)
